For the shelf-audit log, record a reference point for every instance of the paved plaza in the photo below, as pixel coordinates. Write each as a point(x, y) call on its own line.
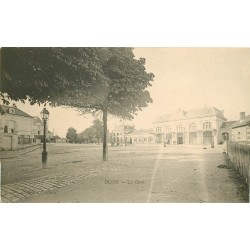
point(76, 173)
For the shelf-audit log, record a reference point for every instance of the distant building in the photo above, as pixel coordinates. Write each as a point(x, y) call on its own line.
point(198, 126)
point(142, 136)
point(241, 129)
point(121, 133)
point(37, 129)
point(50, 136)
point(225, 131)
point(16, 127)
point(125, 134)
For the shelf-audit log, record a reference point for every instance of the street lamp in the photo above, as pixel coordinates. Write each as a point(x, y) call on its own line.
point(45, 116)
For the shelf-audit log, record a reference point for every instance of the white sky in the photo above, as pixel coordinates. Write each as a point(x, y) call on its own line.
point(185, 78)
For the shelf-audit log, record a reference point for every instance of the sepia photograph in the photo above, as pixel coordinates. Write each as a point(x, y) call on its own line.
point(124, 125)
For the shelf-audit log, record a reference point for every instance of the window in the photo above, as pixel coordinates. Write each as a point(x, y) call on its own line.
point(225, 136)
point(5, 129)
point(192, 127)
point(158, 129)
point(168, 128)
point(180, 127)
point(11, 126)
point(11, 111)
point(238, 136)
point(206, 125)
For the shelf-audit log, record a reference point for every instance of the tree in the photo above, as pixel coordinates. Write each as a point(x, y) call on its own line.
point(109, 80)
point(93, 133)
point(40, 75)
point(71, 135)
point(87, 135)
point(98, 130)
point(123, 93)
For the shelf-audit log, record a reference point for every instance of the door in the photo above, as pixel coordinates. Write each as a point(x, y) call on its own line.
point(207, 137)
point(180, 138)
point(7, 142)
point(192, 138)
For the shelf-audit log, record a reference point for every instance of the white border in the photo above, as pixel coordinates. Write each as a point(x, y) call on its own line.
point(137, 24)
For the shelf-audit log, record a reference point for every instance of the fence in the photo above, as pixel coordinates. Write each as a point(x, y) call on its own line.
point(240, 155)
point(24, 140)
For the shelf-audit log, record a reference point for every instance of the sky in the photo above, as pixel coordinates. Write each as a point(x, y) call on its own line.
point(185, 78)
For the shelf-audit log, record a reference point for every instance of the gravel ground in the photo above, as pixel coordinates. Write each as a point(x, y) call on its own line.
point(76, 173)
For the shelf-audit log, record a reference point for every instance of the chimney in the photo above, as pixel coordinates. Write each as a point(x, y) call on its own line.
point(242, 116)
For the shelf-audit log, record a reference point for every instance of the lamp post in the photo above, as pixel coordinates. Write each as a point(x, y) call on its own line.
point(45, 116)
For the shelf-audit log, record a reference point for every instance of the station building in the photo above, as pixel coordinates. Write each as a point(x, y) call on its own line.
point(198, 126)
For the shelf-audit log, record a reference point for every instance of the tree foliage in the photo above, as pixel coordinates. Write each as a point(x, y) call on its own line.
point(124, 89)
point(98, 130)
point(92, 134)
point(71, 135)
point(109, 80)
point(87, 136)
point(41, 75)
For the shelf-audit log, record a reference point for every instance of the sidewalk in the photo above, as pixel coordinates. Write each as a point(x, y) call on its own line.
point(20, 151)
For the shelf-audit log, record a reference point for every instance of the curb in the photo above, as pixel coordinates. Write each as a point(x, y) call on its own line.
point(13, 156)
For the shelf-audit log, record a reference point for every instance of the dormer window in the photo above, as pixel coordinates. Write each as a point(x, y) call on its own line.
point(11, 111)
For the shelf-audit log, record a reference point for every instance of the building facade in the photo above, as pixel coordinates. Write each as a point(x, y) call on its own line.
point(199, 126)
point(120, 135)
point(16, 127)
point(142, 136)
point(37, 129)
point(225, 132)
point(125, 135)
point(241, 130)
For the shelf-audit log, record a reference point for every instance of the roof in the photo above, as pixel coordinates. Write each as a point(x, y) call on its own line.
point(141, 131)
point(125, 128)
point(227, 124)
point(242, 123)
point(37, 120)
point(6, 110)
point(195, 113)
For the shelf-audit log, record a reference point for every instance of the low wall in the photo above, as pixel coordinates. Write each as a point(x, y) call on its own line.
point(240, 155)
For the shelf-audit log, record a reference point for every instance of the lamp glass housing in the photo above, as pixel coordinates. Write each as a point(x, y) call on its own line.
point(45, 114)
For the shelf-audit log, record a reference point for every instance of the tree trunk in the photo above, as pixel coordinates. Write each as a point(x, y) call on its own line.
point(105, 130)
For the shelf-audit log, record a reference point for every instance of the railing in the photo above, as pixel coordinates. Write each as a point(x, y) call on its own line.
point(23, 140)
point(240, 155)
